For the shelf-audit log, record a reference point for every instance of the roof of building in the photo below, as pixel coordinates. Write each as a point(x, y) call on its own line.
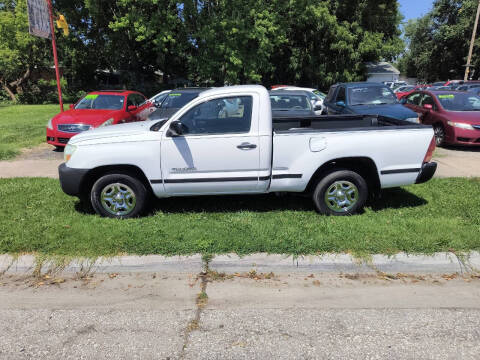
point(381, 67)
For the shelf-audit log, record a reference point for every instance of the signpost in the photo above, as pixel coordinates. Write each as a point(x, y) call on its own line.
point(40, 20)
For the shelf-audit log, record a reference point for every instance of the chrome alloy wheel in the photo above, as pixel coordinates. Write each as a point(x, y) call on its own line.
point(118, 199)
point(341, 196)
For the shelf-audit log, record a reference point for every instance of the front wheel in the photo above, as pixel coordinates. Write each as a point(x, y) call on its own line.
point(439, 133)
point(340, 193)
point(118, 196)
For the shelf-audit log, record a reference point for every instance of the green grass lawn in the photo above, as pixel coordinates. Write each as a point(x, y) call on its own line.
point(441, 215)
point(23, 126)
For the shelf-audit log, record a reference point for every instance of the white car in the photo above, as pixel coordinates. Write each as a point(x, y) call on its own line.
point(225, 142)
point(316, 96)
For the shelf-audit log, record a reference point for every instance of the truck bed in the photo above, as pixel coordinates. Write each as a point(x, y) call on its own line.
point(338, 122)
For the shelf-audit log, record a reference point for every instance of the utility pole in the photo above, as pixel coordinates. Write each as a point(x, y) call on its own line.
point(467, 70)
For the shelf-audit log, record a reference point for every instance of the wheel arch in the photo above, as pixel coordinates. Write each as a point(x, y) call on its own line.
point(127, 169)
point(364, 166)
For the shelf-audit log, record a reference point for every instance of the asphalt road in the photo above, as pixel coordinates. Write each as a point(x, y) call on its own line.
point(243, 316)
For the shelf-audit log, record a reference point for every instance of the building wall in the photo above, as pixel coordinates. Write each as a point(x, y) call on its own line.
point(382, 77)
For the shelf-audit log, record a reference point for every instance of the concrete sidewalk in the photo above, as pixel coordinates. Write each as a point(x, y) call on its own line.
point(156, 307)
point(244, 316)
point(457, 162)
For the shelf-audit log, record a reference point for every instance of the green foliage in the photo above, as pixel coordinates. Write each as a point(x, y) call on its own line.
point(37, 216)
point(23, 126)
point(20, 52)
point(204, 42)
point(438, 42)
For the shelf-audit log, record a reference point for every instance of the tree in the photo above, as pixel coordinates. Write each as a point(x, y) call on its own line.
point(438, 42)
point(20, 52)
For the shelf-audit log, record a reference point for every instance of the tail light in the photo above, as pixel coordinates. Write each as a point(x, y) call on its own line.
point(431, 149)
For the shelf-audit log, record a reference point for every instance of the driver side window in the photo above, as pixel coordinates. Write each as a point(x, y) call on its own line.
point(414, 99)
point(219, 116)
point(341, 94)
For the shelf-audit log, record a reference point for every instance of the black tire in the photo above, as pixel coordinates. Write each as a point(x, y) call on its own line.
point(345, 187)
point(122, 185)
point(439, 133)
point(59, 148)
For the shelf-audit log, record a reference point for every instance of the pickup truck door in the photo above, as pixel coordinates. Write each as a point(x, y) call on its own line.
point(218, 151)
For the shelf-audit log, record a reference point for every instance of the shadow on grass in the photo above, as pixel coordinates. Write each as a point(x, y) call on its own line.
point(395, 198)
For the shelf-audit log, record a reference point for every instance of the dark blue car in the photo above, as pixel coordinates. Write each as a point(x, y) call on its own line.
point(368, 99)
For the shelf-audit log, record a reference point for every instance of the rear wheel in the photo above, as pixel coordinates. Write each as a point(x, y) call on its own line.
point(118, 196)
point(439, 132)
point(340, 193)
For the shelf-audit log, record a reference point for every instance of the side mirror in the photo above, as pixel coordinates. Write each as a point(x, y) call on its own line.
point(318, 106)
point(71, 106)
point(340, 103)
point(403, 101)
point(176, 129)
point(131, 108)
point(427, 106)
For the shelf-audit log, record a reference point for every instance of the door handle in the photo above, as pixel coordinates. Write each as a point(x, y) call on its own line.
point(246, 146)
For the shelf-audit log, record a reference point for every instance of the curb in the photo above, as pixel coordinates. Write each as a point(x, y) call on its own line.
point(232, 263)
point(26, 264)
point(338, 263)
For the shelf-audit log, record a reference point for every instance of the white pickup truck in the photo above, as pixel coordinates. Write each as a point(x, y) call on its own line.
point(226, 142)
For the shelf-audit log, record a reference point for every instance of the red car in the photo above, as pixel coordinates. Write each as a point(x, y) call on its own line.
point(408, 89)
point(98, 108)
point(454, 115)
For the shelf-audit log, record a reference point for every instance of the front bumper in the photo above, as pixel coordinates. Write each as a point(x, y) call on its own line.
point(426, 173)
point(464, 137)
point(58, 138)
point(71, 179)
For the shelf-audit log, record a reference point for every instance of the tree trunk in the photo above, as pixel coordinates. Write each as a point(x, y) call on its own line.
point(9, 91)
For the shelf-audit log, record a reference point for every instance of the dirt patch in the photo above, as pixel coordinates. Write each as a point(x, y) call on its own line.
point(40, 161)
point(457, 161)
point(41, 152)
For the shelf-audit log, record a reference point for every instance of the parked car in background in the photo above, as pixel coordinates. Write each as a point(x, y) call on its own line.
point(443, 87)
point(291, 103)
point(173, 101)
point(158, 98)
point(439, 83)
point(316, 96)
point(96, 109)
point(366, 98)
point(206, 149)
point(468, 85)
point(454, 115)
point(395, 84)
point(405, 90)
point(454, 83)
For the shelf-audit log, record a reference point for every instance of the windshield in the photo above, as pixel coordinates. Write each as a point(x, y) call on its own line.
point(101, 102)
point(177, 100)
point(290, 102)
point(459, 102)
point(371, 95)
